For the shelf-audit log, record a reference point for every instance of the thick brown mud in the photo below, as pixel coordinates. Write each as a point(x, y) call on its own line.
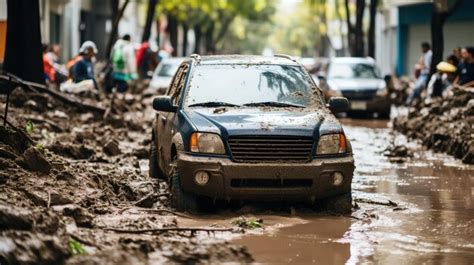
point(416, 209)
point(79, 193)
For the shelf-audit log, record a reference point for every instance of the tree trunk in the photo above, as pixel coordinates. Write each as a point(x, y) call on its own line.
point(150, 15)
point(339, 17)
point(172, 30)
point(350, 29)
point(23, 54)
point(197, 39)
point(185, 39)
point(371, 35)
point(117, 15)
point(441, 11)
point(210, 45)
point(359, 49)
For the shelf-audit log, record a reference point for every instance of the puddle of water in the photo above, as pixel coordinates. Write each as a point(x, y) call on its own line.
point(434, 225)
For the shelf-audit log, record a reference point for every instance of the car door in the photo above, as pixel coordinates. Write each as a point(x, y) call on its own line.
point(167, 120)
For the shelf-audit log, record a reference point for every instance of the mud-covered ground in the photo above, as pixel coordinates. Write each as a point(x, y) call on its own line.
point(70, 178)
point(78, 192)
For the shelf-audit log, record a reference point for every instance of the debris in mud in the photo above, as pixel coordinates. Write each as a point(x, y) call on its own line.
point(59, 215)
point(34, 160)
point(397, 151)
point(220, 110)
point(248, 223)
point(111, 148)
point(443, 124)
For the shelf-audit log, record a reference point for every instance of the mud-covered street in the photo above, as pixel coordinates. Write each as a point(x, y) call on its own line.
point(75, 188)
point(418, 208)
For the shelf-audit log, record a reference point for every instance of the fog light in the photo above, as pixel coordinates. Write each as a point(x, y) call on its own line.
point(337, 178)
point(201, 178)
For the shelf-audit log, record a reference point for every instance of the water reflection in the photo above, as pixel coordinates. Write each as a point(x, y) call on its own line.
point(434, 222)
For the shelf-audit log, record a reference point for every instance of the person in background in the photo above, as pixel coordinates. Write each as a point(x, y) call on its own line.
point(423, 66)
point(466, 68)
point(60, 71)
point(124, 63)
point(83, 69)
point(442, 79)
point(48, 68)
point(453, 59)
point(144, 60)
point(457, 54)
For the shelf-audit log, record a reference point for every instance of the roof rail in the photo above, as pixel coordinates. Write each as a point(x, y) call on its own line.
point(284, 56)
point(195, 56)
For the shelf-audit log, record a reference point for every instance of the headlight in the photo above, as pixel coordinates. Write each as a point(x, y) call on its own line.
point(331, 144)
point(209, 143)
point(382, 90)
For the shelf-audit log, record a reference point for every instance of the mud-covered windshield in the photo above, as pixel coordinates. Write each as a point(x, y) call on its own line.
point(352, 70)
point(236, 84)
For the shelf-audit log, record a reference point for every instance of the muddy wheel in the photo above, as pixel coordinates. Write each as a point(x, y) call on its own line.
point(339, 204)
point(154, 170)
point(180, 200)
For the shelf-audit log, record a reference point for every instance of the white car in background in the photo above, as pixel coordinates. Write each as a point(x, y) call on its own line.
point(359, 80)
point(164, 73)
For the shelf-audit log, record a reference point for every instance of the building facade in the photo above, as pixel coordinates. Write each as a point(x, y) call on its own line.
point(404, 24)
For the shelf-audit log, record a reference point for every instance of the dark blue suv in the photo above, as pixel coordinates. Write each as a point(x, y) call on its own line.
point(236, 127)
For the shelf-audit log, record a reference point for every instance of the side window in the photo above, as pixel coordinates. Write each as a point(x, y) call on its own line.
point(173, 85)
point(178, 84)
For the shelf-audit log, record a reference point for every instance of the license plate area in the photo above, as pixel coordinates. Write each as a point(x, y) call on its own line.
point(358, 105)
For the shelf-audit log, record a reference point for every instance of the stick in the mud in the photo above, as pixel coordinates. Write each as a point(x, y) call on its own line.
point(49, 199)
point(168, 229)
point(18, 130)
point(389, 203)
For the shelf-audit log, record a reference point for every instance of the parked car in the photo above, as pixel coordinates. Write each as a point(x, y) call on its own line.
point(163, 73)
point(249, 128)
point(359, 80)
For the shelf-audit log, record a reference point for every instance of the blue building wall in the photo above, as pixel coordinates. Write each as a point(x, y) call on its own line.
point(421, 14)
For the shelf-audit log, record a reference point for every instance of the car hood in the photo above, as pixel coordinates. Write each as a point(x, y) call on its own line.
point(261, 121)
point(355, 84)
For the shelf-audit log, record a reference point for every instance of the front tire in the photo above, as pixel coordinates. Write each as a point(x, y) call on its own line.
point(339, 204)
point(181, 200)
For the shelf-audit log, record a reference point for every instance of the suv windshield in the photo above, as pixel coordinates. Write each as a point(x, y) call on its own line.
point(236, 84)
point(352, 70)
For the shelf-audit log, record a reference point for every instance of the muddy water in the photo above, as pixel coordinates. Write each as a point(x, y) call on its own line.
point(433, 222)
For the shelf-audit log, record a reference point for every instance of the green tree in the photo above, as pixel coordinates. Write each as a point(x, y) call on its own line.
point(214, 18)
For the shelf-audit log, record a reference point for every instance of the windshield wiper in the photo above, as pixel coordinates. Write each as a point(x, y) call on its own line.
point(274, 104)
point(213, 104)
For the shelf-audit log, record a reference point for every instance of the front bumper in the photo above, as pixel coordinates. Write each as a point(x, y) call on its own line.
point(315, 177)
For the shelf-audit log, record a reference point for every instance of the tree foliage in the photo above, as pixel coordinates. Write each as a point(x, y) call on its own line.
point(215, 17)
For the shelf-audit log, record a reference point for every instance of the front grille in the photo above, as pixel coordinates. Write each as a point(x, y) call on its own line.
point(271, 183)
point(284, 149)
point(365, 94)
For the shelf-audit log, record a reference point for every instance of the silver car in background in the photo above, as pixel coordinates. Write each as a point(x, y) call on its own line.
point(359, 80)
point(164, 73)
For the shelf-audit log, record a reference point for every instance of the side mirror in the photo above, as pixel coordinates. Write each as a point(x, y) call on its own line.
point(164, 103)
point(338, 104)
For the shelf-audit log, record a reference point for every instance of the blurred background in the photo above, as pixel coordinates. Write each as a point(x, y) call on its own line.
point(388, 30)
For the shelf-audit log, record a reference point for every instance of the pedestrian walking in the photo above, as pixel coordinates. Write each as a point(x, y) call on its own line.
point(124, 63)
point(466, 68)
point(422, 70)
